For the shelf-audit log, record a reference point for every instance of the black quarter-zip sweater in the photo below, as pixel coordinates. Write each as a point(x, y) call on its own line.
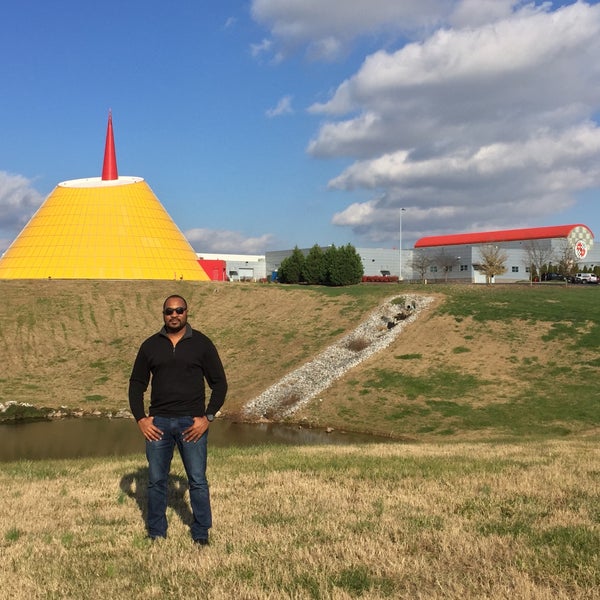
point(178, 376)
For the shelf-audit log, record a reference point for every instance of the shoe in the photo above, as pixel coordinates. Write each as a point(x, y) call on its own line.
point(201, 542)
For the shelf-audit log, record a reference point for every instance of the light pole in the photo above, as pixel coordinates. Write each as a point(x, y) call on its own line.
point(400, 247)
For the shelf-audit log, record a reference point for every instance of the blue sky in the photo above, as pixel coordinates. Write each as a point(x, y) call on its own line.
point(266, 124)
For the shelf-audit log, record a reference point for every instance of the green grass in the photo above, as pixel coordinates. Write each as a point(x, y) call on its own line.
point(442, 401)
point(412, 356)
point(12, 535)
point(460, 349)
point(572, 312)
point(94, 398)
point(439, 383)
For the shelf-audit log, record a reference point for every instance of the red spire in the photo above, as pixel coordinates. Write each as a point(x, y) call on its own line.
point(109, 169)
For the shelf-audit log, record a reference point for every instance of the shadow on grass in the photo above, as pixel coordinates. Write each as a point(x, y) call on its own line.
point(135, 485)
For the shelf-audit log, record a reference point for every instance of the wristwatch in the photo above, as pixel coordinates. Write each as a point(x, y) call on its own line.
point(210, 418)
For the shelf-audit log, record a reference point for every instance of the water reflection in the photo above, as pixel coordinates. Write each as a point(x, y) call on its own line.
point(77, 438)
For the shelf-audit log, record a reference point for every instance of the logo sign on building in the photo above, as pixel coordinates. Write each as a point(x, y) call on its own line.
point(581, 249)
point(581, 240)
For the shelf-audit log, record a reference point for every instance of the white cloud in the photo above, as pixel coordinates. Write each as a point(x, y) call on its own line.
point(545, 155)
point(263, 47)
point(230, 23)
point(283, 107)
point(501, 185)
point(212, 240)
point(473, 13)
point(490, 125)
point(510, 58)
point(326, 27)
point(18, 201)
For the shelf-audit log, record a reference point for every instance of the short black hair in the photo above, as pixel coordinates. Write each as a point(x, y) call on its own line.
point(174, 296)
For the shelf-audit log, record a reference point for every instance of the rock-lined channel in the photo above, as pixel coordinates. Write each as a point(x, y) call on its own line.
point(296, 389)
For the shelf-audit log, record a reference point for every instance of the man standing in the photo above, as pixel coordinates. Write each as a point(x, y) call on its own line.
point(180, 360)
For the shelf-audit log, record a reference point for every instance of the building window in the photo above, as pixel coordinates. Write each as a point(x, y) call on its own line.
point(515, 269)
point(527, 269)
point(433, 269)
point(464, 267)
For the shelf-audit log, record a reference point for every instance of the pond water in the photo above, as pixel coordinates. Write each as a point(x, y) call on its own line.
point(77, 438)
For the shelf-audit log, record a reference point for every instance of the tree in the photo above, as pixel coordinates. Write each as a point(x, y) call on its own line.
point(314, 266)
point(445, 262)
point(421, 263)
point(290, 269)
point(537, 256)
point(353, 267)
point(493, 260)
point(335, 266)
point(567, 259)
point(342, 266)
point(332, 268)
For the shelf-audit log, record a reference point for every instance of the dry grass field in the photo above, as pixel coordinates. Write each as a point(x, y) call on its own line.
point(408, 521)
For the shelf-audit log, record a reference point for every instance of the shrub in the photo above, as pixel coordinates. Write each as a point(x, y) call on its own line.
point(380, 279)
point(358, 344)
point(290, 398)
point(343, 266)
point(290, 269)
point(314, 266)
point(335, 266)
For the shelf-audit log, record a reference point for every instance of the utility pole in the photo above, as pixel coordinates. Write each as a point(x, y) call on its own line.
point(400, 247)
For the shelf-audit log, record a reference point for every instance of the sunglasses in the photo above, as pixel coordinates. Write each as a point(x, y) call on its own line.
point(179, 310)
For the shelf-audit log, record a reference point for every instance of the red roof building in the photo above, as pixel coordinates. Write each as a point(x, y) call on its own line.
point(458, 256)
point(509, 235)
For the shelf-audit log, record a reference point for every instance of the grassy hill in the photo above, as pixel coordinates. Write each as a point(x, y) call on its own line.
point(484, 361)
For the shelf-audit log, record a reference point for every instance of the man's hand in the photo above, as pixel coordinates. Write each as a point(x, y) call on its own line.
point(149, 430)
point(195, 431)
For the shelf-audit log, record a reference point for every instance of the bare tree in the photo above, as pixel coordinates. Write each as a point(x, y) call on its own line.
point(537, 256)
point(567, 259)
point(493, 260)
point(445, 261)
point(420, 263)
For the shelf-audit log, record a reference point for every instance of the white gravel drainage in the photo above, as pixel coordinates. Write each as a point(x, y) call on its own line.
point(297, 388)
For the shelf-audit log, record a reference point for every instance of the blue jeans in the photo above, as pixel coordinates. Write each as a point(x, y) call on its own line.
point(193, 455)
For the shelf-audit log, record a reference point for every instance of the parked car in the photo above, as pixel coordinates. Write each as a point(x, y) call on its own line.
point(586, 278)
point(553, 277)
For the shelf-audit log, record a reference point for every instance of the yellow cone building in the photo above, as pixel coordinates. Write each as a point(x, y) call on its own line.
point(107, 227)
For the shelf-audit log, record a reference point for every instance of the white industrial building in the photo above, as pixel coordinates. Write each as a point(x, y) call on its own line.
point(452, 257)
point(457, 257)
point(239, 267)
